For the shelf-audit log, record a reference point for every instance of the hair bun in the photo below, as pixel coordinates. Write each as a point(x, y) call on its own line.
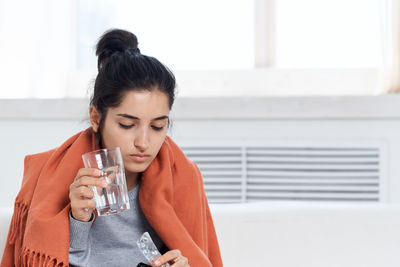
point(133, 51)
point(112, 41)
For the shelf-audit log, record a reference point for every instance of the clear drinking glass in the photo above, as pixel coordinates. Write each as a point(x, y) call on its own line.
point(114, 198)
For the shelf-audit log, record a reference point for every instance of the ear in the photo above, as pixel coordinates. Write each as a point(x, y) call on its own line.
point(95, 117)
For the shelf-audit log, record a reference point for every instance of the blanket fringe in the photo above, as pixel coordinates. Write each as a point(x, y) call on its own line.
point(31, 258)
point(18, 221)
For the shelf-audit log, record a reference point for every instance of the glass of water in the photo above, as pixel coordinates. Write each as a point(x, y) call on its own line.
point(114, 198)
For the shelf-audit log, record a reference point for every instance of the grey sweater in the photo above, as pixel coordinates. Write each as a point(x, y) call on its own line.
point(111, 240)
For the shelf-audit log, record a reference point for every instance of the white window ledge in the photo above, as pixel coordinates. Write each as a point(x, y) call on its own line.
point(185, 108)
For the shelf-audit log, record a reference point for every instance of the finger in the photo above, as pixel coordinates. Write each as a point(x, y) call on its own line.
point(111, 178)
point(181, 261)
point(111, 173)
point(86, 205)
point(83, 192)
point(112, 169)
point(88, 172)
point(169, 256)
point(90, 181)
point(82, 208)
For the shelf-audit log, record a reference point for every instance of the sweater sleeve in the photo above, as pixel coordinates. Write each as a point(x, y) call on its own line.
point(79, 245)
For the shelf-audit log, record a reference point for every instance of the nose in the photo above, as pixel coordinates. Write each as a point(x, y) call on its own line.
point(141, 141)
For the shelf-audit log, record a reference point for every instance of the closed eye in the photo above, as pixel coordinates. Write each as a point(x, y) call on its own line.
point(125, 126)
point(157, 128)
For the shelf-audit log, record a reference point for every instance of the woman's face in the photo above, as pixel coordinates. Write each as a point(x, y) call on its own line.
point(138, 126)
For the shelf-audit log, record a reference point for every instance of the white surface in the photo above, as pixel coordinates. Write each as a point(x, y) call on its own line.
point(308, 234)
point(262, 82)
point(218, 108)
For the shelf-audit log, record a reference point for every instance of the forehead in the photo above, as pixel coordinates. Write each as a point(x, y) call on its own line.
point(143, 104)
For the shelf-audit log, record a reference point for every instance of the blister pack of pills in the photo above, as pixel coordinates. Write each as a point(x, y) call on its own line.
point(149, 250)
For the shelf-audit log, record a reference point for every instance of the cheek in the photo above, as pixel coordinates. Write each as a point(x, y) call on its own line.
point(157, 142)
point(113, 137)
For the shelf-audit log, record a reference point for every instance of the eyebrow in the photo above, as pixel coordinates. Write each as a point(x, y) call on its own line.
point(136, 118)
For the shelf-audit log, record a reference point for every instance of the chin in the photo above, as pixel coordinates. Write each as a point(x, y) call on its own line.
point(135, 168)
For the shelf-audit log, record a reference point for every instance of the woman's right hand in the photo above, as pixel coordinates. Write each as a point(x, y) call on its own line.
point(81, 195)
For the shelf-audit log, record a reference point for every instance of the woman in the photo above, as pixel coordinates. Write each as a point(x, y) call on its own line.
point(54, 223)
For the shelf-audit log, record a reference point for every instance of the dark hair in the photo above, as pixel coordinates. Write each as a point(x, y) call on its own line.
point(123, 68)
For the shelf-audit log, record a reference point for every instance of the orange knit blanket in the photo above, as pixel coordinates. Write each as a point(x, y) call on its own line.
point(171, 195)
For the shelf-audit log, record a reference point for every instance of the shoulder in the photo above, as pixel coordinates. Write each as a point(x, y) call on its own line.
point(38, 158)
point(34, 163)
point(178, 156)
point(182, 163)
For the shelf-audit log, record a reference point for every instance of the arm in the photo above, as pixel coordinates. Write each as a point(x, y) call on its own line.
point(81, 215)
point(79, 245)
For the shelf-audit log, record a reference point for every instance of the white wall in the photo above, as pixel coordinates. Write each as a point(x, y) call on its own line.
point(31, 126)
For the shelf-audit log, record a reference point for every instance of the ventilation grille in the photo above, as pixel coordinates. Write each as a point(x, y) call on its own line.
point(246, 174)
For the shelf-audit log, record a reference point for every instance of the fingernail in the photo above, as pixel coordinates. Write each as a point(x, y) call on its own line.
point(97, 172)
point(104, 183)
point(157, 262)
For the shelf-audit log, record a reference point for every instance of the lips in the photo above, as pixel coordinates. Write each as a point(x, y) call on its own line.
point(139, 157)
